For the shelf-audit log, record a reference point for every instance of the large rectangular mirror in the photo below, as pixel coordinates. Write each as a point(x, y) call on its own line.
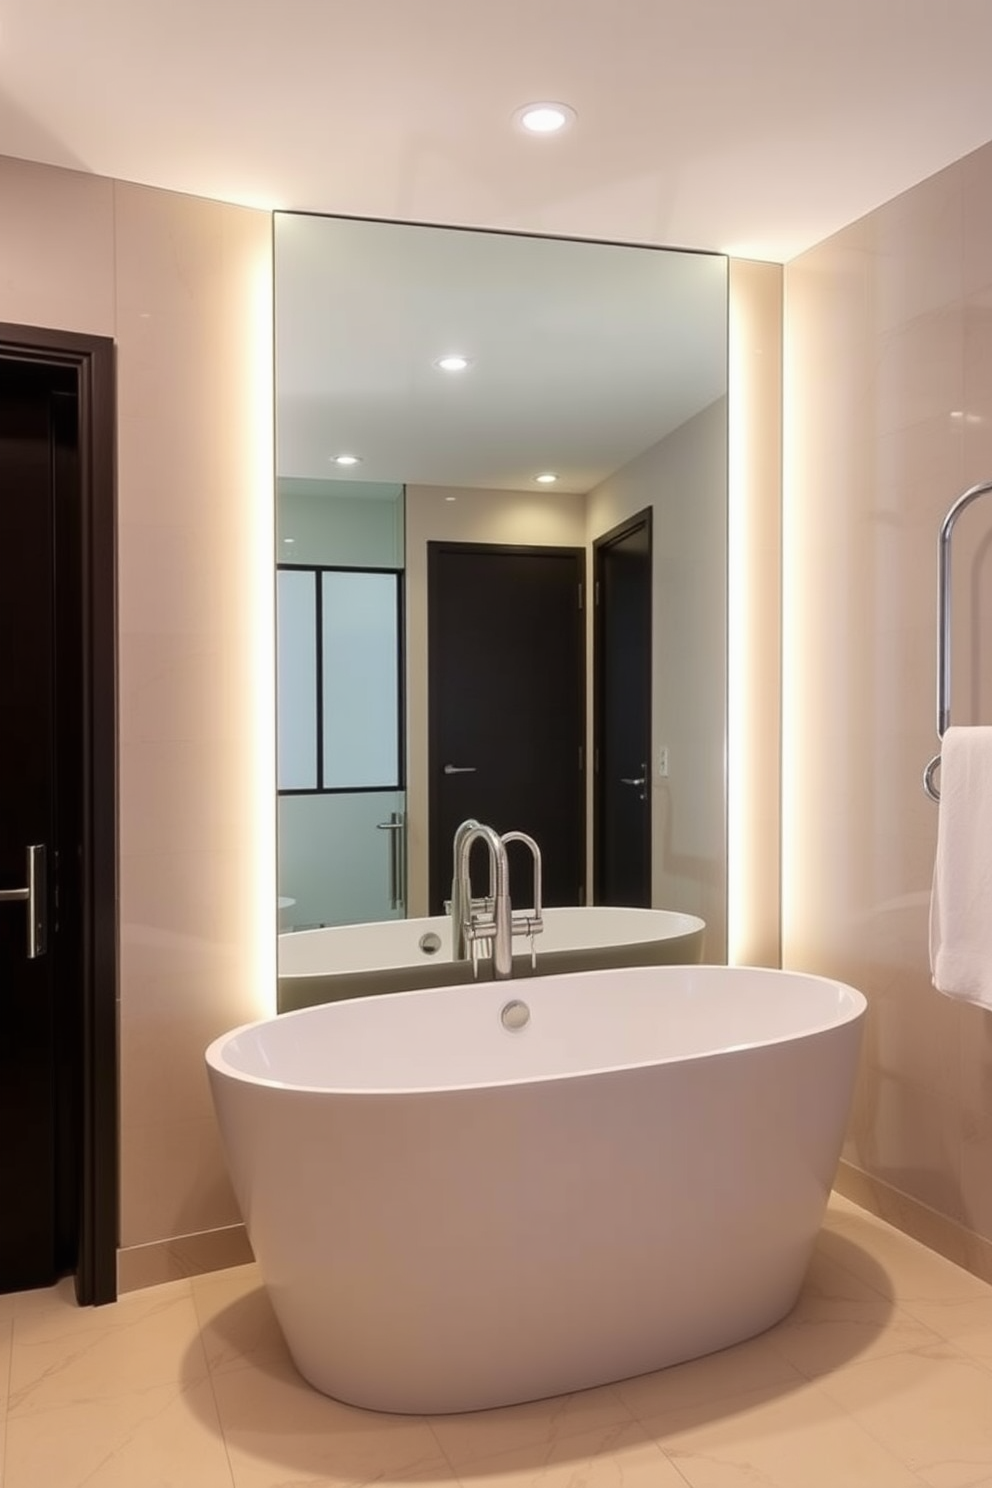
point(502, 555)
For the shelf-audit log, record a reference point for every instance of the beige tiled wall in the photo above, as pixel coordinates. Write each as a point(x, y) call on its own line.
point(184, 286)
point(57, 256)
point(888, 416)
point(195, 563)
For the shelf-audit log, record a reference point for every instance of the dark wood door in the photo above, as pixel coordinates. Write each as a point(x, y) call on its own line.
point(622, 683)
point(507, 711)
point(38, 481)
point(58, 1003)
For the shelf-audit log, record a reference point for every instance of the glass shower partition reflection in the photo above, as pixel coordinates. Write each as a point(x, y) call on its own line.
point(342, 802)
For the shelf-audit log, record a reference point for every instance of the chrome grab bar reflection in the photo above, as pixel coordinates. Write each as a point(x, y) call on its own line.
point(396, 827)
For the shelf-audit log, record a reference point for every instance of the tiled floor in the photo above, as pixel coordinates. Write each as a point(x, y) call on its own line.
point(882, 1376)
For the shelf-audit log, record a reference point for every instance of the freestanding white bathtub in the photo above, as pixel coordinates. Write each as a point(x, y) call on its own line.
point(341, 961)
point(451, 1214)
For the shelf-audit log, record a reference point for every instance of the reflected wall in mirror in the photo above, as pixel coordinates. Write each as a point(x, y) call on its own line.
point(424, 612)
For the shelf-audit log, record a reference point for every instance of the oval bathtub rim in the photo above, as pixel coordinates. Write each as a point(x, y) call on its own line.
point(217, 1064)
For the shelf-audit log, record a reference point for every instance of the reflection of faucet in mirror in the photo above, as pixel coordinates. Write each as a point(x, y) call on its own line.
point(487, 926)
point(533, 923)
point(459, 905)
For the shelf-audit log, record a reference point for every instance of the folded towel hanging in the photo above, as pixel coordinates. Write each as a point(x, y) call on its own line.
point(961, 900)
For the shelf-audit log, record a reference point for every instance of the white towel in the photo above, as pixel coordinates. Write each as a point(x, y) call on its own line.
point(961, 901)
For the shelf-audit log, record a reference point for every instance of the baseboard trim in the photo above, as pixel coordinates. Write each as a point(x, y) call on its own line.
point(945, 1236)
point(141, 1266)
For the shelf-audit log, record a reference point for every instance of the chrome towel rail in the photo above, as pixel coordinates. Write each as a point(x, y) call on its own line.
point(944, 624)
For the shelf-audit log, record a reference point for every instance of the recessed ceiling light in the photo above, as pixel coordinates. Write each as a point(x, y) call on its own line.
point(545, 118)
point(346, 459)
point(453, 362)
point(546, 478)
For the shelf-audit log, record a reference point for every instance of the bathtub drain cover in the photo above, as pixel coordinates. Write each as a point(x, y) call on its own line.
point(430, 943)
point(515, 1015)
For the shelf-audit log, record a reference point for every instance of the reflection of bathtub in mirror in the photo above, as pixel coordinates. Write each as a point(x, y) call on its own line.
point(342, 961)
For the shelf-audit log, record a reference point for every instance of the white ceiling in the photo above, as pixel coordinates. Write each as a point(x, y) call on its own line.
point(754, 127)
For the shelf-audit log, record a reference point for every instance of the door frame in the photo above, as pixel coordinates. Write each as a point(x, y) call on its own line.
point(435, 548)
point(92, 358)
point(641, 519)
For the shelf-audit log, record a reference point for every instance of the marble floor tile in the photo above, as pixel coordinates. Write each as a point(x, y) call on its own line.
point(798, 1440)
point(167, 1436)
point(55, 1313)
point(537, 1425)
point(931, 1407)
point(897, 1265)
point(280, 1431)
point(839, 1319)
point(237, 1324)
point(718, 1378)
point(618, 1456)
point(967, 1324)
point(61, 1359)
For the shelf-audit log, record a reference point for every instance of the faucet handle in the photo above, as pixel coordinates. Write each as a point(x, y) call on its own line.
point(528, 924)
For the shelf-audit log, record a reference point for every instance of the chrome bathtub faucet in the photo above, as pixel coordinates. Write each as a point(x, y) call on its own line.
point(486, 927)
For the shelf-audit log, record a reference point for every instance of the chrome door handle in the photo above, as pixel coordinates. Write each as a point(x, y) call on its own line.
point(459, 769)
point(35, 895)
point(391, 826)
point(640, 781)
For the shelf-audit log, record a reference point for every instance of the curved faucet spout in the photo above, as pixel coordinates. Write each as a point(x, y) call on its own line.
point(461, 894)
point(471, 928)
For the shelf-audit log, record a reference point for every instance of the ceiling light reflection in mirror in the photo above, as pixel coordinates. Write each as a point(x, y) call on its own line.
point(583, 354)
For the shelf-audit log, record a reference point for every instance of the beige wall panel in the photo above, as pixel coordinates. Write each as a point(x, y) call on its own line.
point(888, 410)
point(197, 922)
point(56, 248)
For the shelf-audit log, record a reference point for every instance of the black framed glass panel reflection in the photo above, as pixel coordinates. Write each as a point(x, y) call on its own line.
point(340, 680)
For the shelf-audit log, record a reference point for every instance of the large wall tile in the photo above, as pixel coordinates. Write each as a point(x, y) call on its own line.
point(889, 406)
point(57, 260)
point(197, 925)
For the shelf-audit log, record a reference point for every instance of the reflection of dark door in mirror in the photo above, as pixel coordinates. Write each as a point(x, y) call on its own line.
point(506, 711)
point(622, 689)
